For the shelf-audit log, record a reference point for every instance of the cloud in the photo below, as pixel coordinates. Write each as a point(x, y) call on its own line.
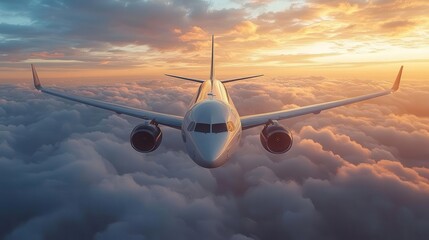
point(118, 23)
point(397, 24)
point(337, 20)
point(89, 29)
point(356, 172)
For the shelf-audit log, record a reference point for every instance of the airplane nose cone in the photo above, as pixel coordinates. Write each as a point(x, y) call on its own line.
point(211, 153)
point(210, 159)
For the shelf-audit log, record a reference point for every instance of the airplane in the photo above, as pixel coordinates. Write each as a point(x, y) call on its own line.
point(211, 128)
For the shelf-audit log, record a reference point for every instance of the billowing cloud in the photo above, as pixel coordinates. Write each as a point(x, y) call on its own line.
point(356, 172)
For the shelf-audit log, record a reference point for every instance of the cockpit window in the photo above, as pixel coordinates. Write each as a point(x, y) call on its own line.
point(202, 127)
point(191, 126)
point(215, 128)
point(219, 127)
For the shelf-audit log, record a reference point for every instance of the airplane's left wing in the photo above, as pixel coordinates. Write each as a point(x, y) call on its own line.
point(161, 118)
point(261, 119)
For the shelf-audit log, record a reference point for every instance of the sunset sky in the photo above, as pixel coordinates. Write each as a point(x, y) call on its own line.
point(132, 40)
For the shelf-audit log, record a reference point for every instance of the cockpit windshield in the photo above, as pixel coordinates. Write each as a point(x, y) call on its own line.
point(211, 128)
point(219, 127)
point(202, 127)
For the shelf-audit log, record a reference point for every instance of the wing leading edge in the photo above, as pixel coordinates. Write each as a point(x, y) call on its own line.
point(260, 119)
point(161, 118)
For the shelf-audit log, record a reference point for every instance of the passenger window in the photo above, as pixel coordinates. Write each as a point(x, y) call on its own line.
point(230, 126)
point(202, 127)
point(219, 127)
point(191, 126)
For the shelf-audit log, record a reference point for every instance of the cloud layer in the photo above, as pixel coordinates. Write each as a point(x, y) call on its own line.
point(356, 172)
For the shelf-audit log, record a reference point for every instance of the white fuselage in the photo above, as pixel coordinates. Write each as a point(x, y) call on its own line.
point(211, 127)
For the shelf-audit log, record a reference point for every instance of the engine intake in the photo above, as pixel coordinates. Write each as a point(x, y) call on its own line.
point(275, 138)
point(146, 137)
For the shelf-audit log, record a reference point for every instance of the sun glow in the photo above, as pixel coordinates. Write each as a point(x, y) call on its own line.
point(277, 38)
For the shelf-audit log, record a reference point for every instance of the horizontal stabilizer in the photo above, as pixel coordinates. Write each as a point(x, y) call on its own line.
point(185, 78)
point(242, 78)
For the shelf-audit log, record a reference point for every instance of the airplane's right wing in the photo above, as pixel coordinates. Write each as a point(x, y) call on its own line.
point(261, 119)
point(161, 118)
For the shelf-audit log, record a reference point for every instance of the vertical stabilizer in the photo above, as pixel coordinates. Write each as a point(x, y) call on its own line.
point(212, 74)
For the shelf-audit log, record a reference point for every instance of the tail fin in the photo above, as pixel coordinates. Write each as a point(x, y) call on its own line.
point(212, 73)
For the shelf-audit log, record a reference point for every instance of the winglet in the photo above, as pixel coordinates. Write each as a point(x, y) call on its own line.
point(36, 80)
point(395, 86)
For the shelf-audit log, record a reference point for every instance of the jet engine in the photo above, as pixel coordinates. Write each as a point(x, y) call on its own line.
point(275, 138)
point(146, 137)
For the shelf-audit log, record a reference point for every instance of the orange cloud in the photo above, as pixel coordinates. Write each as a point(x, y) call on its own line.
point(47, 55)
point(246, 28)
point(195, 34)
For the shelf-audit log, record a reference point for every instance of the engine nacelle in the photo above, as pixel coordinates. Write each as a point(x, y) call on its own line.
point(275, 138)
point(146, 137)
